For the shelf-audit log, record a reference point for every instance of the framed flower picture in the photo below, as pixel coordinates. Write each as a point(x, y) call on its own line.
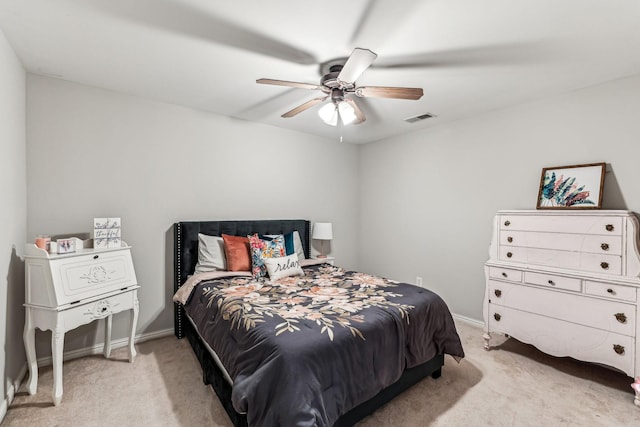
point(572, 187)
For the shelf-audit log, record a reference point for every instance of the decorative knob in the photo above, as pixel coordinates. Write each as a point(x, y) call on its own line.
point(611, 291)
point(621, 317)
point(509, 254)
point(507, 223)
point(504, 274)
point(604, 246)
point(497, 317)
point(498, 292)
point(509, 239)
point(618, 348)
point(609, 227)
point(95, 257)
point(551, 282)
point(604, 265)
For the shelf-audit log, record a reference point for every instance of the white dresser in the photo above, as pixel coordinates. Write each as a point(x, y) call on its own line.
point(567, 282)
point(68, 290)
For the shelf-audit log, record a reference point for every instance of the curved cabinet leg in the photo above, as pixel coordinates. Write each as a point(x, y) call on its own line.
point(57, 345)
point(487, 338)
point(107, 336)
point(29, 338)
point(134, 322)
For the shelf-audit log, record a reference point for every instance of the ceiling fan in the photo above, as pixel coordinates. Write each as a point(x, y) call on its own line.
point(338, 83)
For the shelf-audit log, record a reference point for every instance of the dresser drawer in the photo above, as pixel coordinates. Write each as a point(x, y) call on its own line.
point(561, 338)
point(624, 293)
point(553, 281)
point(598, 244)
point(597, 263)
point(505, 274)
point(562, 223)
point(611, 316)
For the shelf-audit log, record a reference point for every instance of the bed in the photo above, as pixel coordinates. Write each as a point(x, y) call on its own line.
point(291, 363)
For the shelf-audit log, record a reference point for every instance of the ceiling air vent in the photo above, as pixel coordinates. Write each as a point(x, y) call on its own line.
point(420, 117)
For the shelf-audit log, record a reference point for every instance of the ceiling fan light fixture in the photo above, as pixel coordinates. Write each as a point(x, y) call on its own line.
point(329, 113)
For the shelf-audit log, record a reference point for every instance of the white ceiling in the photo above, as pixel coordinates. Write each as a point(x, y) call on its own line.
point(469, 56)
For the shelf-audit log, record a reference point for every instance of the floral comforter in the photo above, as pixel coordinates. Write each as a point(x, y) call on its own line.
point(304, 350)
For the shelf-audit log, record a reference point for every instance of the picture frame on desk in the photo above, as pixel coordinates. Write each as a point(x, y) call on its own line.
point(65, 246)
point(572, 187)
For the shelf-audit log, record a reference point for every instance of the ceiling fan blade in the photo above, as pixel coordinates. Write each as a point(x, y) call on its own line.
point(359, 61)
point(377, 15)
point(287, 83)
point(201, 22)
point(360, 117)
point(390, 92)
point(305, 106)
point(489, 55)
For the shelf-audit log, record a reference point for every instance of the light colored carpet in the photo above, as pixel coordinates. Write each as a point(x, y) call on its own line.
point(511, 385)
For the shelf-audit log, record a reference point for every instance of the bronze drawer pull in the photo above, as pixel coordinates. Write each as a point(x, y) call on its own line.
point(611, 291)
point(618, 348)
point(551, 282)
point(604, 265)
point(505, 275)
point(604, 246)
point(609, 227)
point(621, 317)
point(507, 223)
point(510, 239)
point(498, 293)
point(509, 254)
point(95, 257)
point(497, 317)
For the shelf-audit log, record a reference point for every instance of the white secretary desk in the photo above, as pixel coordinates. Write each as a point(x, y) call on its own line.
point(64, 291)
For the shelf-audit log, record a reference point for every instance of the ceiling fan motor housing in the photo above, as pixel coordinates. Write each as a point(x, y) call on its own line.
point(330, 80)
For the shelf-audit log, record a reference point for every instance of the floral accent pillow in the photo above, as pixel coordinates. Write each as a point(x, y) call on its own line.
point(262, 249)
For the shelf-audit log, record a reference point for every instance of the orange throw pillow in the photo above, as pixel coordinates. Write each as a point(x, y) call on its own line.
point(236, 249)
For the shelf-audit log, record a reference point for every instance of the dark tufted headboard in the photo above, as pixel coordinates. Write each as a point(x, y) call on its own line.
point(186, 245)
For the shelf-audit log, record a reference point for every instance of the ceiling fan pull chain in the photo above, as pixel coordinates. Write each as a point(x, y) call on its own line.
point(340, 123)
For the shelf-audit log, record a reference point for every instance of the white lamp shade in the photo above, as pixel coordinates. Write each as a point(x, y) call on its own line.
point(329, 113)
point(322, 231)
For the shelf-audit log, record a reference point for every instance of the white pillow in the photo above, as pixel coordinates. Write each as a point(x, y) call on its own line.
point(210, 254)
point(297, 245)
point(283, 267)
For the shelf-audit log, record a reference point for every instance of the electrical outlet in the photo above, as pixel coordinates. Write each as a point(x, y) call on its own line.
point(419, 281)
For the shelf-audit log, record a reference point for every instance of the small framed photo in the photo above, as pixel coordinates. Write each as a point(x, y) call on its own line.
point(572, 187)
point(66, 246)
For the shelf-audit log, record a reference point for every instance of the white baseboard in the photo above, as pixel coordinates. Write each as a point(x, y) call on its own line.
point(11, 392)
point(96, 349)
point(468, 320)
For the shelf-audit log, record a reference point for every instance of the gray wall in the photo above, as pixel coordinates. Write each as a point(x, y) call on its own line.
point(13, 217)
point(429, 196)
point(95, 153)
